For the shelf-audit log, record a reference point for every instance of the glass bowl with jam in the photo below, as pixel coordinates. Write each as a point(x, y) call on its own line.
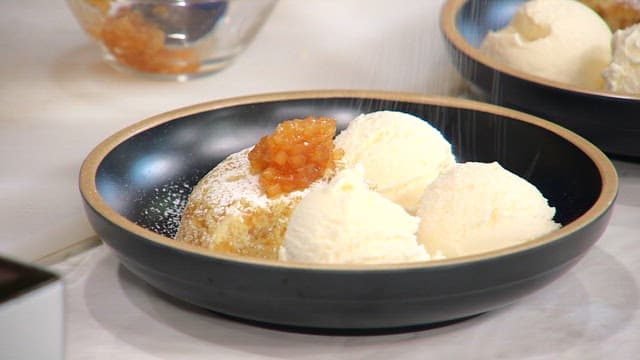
point(169, 39)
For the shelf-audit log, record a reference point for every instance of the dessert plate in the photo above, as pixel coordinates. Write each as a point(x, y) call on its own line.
point(608, 120)
point(135, 183)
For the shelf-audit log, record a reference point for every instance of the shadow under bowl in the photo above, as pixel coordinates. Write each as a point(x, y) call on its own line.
point(608, 120)
point(136, 182)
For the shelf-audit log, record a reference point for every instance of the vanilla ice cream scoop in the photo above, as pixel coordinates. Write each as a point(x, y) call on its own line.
point(344, 222)
point(561, 40)
point(623, 74)
point(479, 207)
point(401, 154)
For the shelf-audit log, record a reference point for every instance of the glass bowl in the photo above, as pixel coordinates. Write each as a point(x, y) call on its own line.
point(170, 39)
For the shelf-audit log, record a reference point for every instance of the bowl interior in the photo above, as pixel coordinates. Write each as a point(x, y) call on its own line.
point(147, 178)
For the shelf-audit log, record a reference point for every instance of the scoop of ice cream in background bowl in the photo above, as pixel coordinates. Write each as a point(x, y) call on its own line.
point(623, 74)
point(171, 40)
point(560, 40)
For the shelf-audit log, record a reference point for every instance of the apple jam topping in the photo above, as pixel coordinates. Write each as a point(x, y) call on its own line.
point(299, 152)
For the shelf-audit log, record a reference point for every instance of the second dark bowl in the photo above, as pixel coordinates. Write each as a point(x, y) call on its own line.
point(608, 120)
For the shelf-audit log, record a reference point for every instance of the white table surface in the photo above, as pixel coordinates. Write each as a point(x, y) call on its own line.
point(58, 100)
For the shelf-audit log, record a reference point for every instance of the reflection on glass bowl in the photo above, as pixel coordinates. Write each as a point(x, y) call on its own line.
point(174, 40)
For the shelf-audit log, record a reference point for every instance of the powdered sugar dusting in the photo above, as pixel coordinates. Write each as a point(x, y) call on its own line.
point(231, 187)
point(163, 208)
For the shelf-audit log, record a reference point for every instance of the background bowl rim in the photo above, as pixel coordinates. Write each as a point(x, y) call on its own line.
point(448, 15)
point(92, 198)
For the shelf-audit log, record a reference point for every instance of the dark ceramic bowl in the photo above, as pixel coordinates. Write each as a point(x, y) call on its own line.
point(136, 182)
point(608, 120)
